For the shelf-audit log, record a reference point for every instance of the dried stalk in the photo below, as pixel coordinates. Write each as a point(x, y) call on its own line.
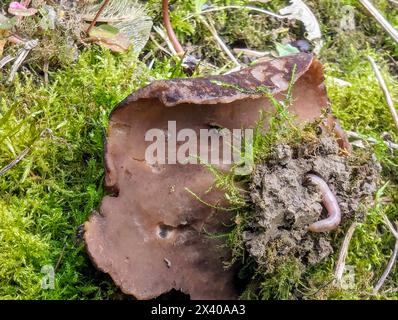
point(6, 60)
point(15, 161)
point(390, 226)
point(386, 92)
point(272, 14)
point(389, 267)
point(380, 19)
point(338, 275)
point(162, 34)
point(220, 42)
point(159, 46)
point(21, 56)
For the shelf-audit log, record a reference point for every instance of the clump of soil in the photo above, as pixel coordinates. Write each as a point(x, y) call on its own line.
point(285, 205)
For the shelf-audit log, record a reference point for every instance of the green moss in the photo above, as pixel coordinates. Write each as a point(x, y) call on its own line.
point(59, 182)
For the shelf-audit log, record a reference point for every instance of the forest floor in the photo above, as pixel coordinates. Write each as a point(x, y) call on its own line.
point(58, 124)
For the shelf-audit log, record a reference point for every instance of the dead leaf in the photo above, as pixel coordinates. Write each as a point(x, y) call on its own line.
point(110, 37)
point(3, 40)
point(2, 44)
point(18, 9)
point(298, 10)
point(129, 16)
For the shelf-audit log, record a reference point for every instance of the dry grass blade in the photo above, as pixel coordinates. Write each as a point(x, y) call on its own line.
point(390, 226)
point(21, 56)
point(220, 42)
point(15, 161)
point(250, 8)
point(338, 275)
point(390, 264)
point(380, 19)
point(6, 60)
point(160, 31)
point(386, 92)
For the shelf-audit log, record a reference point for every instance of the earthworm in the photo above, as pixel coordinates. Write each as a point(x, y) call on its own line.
point(330, 202)
point(341, 136)
point(169, 28)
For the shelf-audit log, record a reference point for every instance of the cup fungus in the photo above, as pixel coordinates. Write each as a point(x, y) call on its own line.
point(151, 235)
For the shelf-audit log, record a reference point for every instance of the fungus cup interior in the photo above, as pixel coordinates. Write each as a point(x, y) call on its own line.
point(151, 235)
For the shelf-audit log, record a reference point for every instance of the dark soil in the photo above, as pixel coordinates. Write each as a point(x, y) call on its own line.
point(285, 206)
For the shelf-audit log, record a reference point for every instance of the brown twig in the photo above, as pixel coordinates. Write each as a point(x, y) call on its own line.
point(386, 92)
point(92, 24)
point(389, 267)
point(338, 275)
point(169, 28)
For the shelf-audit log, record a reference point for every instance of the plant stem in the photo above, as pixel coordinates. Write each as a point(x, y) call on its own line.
point(388, 269)
point(386, 92)
point(92, 24)
point(380, 19)
point(169, 28)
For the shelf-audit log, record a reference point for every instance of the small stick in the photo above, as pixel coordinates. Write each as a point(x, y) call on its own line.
point(169, 28)
point(380, 19)
point(15, 161)
point(386, 92)
point(394, 2)
point(338, 274)
point(92, 24)
point(389, 267)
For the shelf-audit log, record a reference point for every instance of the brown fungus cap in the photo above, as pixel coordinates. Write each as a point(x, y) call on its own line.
point(152, 235)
